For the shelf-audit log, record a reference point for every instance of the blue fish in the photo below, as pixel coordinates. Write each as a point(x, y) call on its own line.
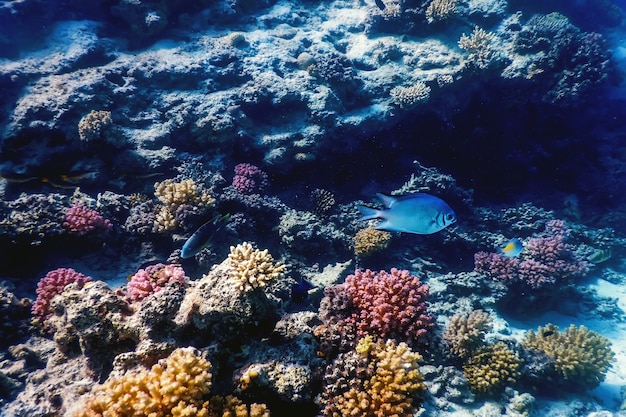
point(203, 237)
point(300, 291)
point(419, 213)
point(512, 248)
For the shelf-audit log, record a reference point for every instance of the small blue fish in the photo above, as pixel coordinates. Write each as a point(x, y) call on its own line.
point(419, 213)
point(300, 291)
point(512, 248)
point(203, 237)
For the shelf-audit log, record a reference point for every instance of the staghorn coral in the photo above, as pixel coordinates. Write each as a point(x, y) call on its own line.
point(152, 279)
point(80, 219)
point(252, 268)
point(440, 10)
point(582, 357)
point(231, 406)
point(466, 332)
point(490, 369)
point(386, 386)
point(175, 386)
point(369, 240)
point(53, 284)
point(407, 97)
point(479, 45)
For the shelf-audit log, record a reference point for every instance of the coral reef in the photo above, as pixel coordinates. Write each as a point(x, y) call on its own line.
point(384, 384)
point(491, 368)
point(152, 279)
point(407, 97)
point(249, 179)
point(480, 46)
point(53, 283)
point(581, 357)
point(176, 386)
point(466, 332)
point(81, 220)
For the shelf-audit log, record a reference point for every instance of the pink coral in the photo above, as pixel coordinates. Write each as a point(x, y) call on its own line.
point(81, 220)
point(545, 260)
point(389, 305)
point(249, 179)
point(152, 279)
point(53, 284)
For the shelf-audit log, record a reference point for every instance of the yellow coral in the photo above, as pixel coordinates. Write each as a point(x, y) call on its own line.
point(94, 125)
point(174, 194)
point(370, 240)
point(582, 357)
point(394, 382)
point(466, 332)
point(491, 368)
point(230, 406)
point(252, 268)
point(175, 386)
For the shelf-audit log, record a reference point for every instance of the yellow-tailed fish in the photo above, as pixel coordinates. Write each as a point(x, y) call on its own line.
point(512, 248)
point(419, 213)
point(203, 237)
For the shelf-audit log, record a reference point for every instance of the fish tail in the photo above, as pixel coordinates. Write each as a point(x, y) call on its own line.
point(368, 213)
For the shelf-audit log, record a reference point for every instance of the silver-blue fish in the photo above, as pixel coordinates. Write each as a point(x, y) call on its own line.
point(419, 213)
point(203, 237)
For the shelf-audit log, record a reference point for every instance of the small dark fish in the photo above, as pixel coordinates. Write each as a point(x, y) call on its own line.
point(548, 333)
point(380, 4)
point(203, 237)
point(300, 291)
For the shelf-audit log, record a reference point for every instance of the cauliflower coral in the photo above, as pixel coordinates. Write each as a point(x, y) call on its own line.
point(152, 279)
point(252, 268)
point(53, 284)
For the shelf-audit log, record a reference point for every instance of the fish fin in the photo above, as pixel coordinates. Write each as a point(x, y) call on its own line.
point(387, 200)
point(368, 213)
point(386, 225)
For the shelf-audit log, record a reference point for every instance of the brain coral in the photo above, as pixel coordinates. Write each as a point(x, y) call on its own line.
point(386, 387)
point(491, 368)
point(252, 268)
point(175, 386)
point(466, 332)
point(582, 357)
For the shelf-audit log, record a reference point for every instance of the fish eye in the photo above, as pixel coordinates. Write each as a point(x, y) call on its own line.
point(449, 216)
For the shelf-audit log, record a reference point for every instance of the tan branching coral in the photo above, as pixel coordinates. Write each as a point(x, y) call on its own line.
point(95, 125)
point(407, 97)
point(389, 391)
point(466, 332)
point(491, 368)
point(582, 357)
point(480, 47)
point(369, 240)
point(164, 220)
point(440, 10)
point(230, 406)
point(175, 386)
point(174, 194)
point(252, 268)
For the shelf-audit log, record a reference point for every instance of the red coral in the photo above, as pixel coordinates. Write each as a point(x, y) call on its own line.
point(152, 279)
point(81, 220)
point(53, 284)
point(388, 305)
point(249, 179)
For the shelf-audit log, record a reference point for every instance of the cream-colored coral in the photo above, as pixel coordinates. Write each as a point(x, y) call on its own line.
point(491, 368)
point(480, 47)
point(440, 10)
point(174, 194)
point(407, 97)
point(466, 332)
point(394, 382)
point(252, 268)
point(369, 240)
point(581, 356)
point(164, 221)
point(94, 125)
point(230, 406)
point(175, 386)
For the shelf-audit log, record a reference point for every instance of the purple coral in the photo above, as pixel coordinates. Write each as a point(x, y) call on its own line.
point(53, 284)
point(249, 179)
point(81, 220)
point(545, 260)
point(152, 279)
